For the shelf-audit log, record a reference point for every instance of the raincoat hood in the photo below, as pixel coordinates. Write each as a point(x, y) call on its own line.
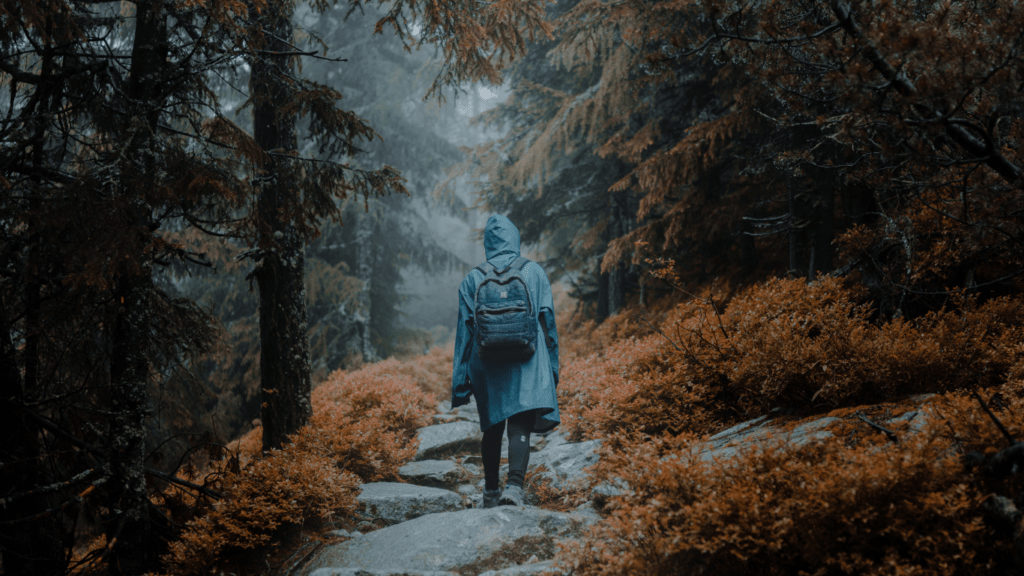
point(501, 238)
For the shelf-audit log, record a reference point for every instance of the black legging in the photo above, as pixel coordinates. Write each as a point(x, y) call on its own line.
point(519, 428)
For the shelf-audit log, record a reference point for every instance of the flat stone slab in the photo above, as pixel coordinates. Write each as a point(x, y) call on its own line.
point(725, 445)
point(469, 541)
point(436, 473)
point(363, 572)
point(395, 502)
point(442, 440)
point(530, 569)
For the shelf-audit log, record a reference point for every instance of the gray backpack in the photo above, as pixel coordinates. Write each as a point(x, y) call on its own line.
point(506, 319)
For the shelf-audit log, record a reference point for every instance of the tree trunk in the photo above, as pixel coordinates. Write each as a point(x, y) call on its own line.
point(601, 313)
point(366, 260)
point(128, 529)
point(284, 349)
point(797, 226)
point(824, 228)
point(31, 548)
point(616, 275)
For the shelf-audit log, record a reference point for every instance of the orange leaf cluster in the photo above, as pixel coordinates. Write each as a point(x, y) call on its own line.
point(362, 430)
point(822, 508)
point(779, 343)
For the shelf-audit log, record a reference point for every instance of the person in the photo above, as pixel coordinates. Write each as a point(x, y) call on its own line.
point(517, 396)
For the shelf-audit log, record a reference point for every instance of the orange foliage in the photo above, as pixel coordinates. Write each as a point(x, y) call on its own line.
point(362, 430)
point(822, 508)
point(783, 342)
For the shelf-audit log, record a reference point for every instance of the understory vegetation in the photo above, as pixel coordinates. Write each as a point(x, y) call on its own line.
point(362, 430)
point(914, 500)
point(653, 384)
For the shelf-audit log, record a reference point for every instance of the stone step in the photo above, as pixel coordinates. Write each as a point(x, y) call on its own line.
point(393, 572)
point(436, 473)
point(444, 440)
point(471, 541)
point(395, 502)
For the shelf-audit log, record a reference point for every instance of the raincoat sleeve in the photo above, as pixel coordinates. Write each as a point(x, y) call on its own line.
point(461, 389)
point(547, 322)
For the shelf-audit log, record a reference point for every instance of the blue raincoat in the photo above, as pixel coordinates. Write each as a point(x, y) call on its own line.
point(503, 389)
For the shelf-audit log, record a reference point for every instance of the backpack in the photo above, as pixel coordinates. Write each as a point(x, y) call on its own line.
point(506, 320)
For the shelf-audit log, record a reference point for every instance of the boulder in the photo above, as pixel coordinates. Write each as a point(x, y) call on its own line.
point(437, 473)
point(443, 440)
point(467, 542)
point(394, 502)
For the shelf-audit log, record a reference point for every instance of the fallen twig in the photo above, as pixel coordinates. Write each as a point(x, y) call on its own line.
point(889, 433)
point(995, 419)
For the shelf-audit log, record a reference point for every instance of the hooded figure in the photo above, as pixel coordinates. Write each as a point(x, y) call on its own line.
point(521, 392)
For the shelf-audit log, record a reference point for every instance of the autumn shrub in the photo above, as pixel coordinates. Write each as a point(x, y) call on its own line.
point(823, 508)
point(431, 372)
point(783, 343)
point(362, 430)
point(285, 487)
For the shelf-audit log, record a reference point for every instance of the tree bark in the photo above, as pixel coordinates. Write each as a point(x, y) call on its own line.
point(797, 226)
point(128, 529)
point(824, 228)
point(616, 275)
point(284, 349)
point(31, 548)
point(366, 261)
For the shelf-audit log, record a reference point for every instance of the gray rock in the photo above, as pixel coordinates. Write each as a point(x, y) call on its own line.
point(395, 502)
point(469, 541)
point(810, 431)
point(468, 489)
point(339, 534)
point(443, 440)
point(522, 570)
point(565, 462)
point(443, 407)
point(738, 431)
point(437, 473)
point(468, 413)
point(725, 445)
point(606, 490)
point(366, 526)
point(393, 572)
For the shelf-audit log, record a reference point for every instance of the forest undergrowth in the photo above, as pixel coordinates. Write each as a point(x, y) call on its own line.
point(362, 430)
point(927, 500)
point(653, 384)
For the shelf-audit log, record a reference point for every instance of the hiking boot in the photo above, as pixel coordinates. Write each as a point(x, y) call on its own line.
point(491, 498)
point(512, 496)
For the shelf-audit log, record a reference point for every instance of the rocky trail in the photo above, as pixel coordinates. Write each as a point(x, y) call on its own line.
point(432, 524)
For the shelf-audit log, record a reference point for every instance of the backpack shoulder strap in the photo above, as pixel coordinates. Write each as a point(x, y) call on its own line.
point(520, 263)
point(485, 268)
